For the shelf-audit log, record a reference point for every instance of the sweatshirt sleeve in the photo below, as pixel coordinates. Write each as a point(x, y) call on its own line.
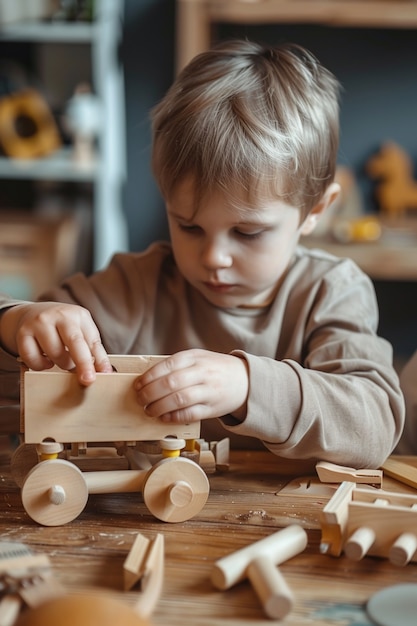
point(339, 401)
point(9, 366)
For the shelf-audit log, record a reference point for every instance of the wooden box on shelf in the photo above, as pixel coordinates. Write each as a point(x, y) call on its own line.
point(36, 251)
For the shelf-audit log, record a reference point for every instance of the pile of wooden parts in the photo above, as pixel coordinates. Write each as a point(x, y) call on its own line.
point(258, 562)
point(363, 521)
point(30, 591)
point(25, 579)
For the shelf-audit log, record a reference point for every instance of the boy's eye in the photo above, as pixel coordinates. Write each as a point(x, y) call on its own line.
point(189, 228)
point(249, 235)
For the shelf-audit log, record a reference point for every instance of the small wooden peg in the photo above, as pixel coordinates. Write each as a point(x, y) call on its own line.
point(10, 606)
point(271, 587)
point(403, 550)
point(171, 447)
point(359, 543)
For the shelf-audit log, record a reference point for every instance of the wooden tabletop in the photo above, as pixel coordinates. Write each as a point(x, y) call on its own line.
point(246, 503)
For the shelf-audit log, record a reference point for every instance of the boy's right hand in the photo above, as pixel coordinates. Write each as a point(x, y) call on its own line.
point(48, 333)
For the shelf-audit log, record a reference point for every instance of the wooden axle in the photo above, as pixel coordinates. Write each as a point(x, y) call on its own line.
point(55, 491)
point(258, 562)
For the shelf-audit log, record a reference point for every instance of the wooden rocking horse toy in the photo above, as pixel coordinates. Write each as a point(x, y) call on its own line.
point(396, 190)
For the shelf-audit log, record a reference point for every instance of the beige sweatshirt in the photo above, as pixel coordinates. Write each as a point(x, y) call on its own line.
point(322, 384)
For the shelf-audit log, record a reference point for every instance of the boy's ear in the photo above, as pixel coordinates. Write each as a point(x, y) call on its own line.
point(330, 195)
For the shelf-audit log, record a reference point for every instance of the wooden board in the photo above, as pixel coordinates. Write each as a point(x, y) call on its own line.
point(55, 406)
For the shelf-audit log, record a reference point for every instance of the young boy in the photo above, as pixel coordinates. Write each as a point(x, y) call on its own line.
point(275, 341)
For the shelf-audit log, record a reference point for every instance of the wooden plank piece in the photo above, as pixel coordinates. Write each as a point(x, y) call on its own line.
point(57, 407)
point(134, 563)
point(401, 471)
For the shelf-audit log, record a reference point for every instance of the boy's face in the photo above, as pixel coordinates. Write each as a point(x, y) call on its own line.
point(233, 255)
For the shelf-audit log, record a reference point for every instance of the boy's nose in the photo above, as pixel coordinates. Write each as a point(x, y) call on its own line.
point(216, 255)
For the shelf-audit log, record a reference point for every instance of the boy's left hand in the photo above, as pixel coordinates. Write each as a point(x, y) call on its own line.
point(194, 385)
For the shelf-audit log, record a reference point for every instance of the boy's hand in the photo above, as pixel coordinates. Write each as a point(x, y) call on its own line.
point(48, 333)
point(194, 385)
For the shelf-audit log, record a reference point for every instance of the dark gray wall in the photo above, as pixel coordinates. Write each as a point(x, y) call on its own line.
point(148, 58)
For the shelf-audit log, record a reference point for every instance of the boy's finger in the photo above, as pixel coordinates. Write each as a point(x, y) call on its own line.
point(96, 360)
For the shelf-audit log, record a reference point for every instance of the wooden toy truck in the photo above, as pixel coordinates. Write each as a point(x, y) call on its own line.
point(60, 418)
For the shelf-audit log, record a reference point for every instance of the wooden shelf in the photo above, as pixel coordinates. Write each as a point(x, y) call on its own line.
point(362, 13)
point(108, 172)
point(393, 257)
point(48, 32)
point(58, 166)
point(196, 17)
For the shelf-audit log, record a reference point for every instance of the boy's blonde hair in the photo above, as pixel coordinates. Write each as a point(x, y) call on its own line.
point(258, 119)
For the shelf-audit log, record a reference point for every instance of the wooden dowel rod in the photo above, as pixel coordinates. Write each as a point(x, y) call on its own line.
point(121, 481)
point(402, 551)
point(359, 543)
point(278, 547)
point(271, 588)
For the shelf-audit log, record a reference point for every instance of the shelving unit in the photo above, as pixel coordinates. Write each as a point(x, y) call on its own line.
point(195, 18)
point(107, 172)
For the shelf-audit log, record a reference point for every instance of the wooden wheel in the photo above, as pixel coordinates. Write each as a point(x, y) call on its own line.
point(175, 489)
point(24, 458)
point(54, 492)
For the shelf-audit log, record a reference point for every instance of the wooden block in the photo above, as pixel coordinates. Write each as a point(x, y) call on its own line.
point(57, 407)
point(98, 459)
point(36, 251)
point(207, 461)
point(332, 473)
point(334, 520)
point(153, 578)
point(134, 564)
point(221, 451)
point(307, 487)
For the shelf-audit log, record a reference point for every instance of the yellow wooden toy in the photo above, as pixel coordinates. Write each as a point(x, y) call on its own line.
point(396, 189)
point(27, 106)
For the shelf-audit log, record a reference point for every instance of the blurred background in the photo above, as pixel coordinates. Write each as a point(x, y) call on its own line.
point(78, 80)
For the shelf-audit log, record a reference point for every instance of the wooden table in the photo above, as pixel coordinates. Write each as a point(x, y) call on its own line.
point(245, 504)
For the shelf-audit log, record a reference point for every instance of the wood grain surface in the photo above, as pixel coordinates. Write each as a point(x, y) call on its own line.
point(244, 505)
